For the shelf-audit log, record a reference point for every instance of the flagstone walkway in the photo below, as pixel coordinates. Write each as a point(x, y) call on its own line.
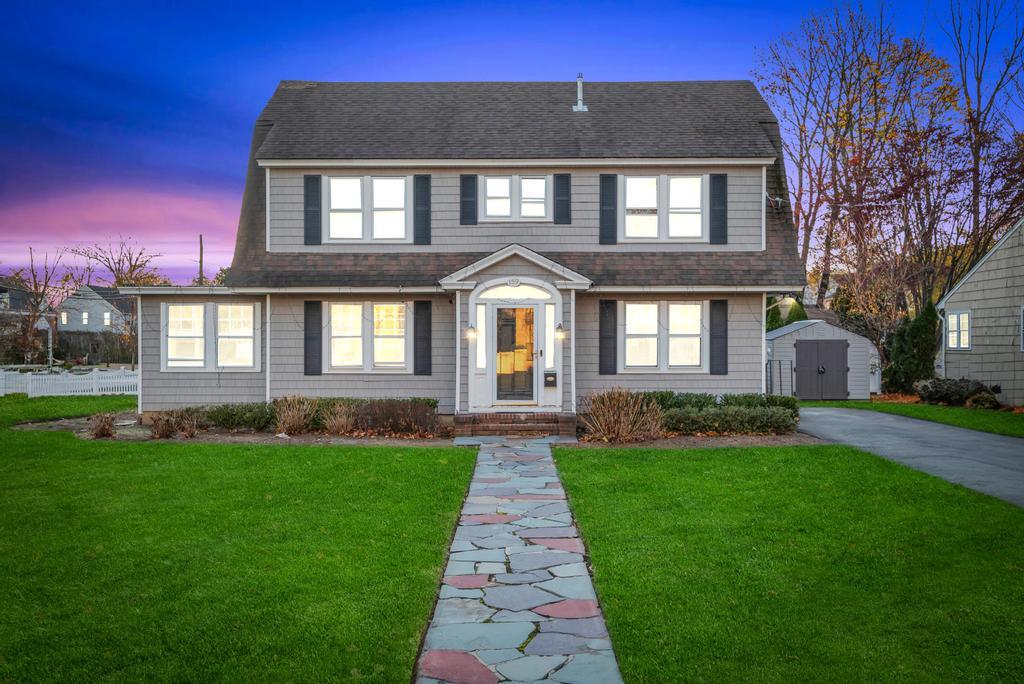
point(516, 601)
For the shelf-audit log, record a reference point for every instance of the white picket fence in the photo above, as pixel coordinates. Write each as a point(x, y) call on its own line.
point(70, 384)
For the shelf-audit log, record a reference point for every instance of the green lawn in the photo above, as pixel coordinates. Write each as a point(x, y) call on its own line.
point(186, 561)
point(797, 564)
point(999, 422)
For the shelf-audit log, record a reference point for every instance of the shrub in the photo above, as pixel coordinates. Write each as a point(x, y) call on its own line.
point(982, 400)
point(949, 391)
point(912, 351)
point(295, 415)
point(668, 399)
point(397, 416)
point(796, 313)
point(339, 418)
point(101, 425)
point(791, 404)
point(619, 415)
point(756, 420)
point(773, 319)
point(188, 421)
point(255, 415)
point(163, 426)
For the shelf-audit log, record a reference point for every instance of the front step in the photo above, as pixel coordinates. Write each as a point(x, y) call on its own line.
point(487, 424)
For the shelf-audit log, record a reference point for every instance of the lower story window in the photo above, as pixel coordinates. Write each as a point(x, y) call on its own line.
point(662, 336)
point(186, 336)
point(958, 330)
point(368, 335)
point(211, 336)
point(236, 336)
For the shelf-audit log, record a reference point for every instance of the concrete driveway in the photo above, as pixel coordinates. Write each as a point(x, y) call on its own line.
point(988, 463)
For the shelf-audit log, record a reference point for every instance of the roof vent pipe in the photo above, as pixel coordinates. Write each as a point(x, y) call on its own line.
point(579, 106)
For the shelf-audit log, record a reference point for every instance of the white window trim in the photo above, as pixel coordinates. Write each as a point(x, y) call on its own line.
point(515, 199)
point(210, 339)
point(663, 338)
point(959, 334)
point(367, 340)
point(663, 207)
point(1021, 321)
point(366, 204)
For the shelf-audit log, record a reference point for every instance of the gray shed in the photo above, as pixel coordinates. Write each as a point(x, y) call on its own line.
point(818, 360)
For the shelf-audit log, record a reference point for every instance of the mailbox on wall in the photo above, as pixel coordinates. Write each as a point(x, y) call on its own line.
point(550, 379)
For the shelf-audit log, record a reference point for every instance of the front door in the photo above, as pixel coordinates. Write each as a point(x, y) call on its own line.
point(514, 349)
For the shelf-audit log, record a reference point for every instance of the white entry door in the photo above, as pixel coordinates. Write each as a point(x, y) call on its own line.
point(516, 350)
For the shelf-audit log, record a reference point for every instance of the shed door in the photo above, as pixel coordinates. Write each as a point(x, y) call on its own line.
point(822, 369)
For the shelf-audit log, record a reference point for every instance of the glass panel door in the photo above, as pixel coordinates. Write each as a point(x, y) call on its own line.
point(514, 349)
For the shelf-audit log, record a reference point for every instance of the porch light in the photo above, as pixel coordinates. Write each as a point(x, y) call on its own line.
point(560, 333)
point(470, 333)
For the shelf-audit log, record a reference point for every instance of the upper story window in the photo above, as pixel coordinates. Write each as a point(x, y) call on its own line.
point(663, 336)
point(63, 317)
point(367, 208)
point(368, 335)
point(208, 336)
point(663, 208)
point(106, 318)
point(516, 198)
point(958, 330)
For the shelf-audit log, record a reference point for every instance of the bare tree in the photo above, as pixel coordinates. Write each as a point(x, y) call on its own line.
point(128, 264)
point(46, 284)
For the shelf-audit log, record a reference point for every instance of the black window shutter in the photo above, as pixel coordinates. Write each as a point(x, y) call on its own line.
point(719, 326)
point(563, 198)
point(608, 337)
point(467, 199)
point(421, 209)
point(311, 210)
point(719, 209)
point(313, 339)
point(422, 336)
point(609, 209)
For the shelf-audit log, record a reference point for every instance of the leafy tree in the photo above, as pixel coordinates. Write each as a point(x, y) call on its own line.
point(773, 319)
point(912, 351)
point(796, 313)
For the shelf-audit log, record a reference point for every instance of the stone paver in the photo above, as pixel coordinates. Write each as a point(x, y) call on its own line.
point(517, 602)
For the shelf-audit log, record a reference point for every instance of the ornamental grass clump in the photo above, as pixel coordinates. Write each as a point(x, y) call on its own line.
point(101, 426)
point(339, 418)
point(619, 415)
point(188, 421)
point(163, 426)
point(295, 415)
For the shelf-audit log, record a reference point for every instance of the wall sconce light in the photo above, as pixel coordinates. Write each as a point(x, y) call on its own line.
point(470, 333)
point(560, 333)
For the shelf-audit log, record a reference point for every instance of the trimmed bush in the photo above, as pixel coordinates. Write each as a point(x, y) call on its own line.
point(791, 404)
point(983, 400)
point(396, 416)
point(668, 400)
point(256, 416)
point(750, 420)
point(950, 392)
point(619, 415)
point(101, 426)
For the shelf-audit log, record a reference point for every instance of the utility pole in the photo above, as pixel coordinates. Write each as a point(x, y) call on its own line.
point(202, 277)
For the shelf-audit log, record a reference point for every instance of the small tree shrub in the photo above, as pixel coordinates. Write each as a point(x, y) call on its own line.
point(752, 420)
point(773, 317)
point(256, 416)
point(982, 400)
point(912, 352)
point(950, 392)
point(619, 416)
point(295, 415)
point(796, 313)
point(163, 426)
point(101, 426)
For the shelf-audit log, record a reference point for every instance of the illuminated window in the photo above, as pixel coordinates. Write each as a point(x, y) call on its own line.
point(515, 292)
point(85, 318)
point(958, 330)
point(663, 336)
point(549, 336)
point(481, 336)
point(106, 318)
point(210, 337)
point(642, 335)
point(63, 317)
point(365, 335)
point(684, 334)
point(389, 335)
point(236, 335)
point(346, 221)
point(186, 345)
point(366, 207)
point(684, 207)
point(346, 335)
point(662, 207)
point(388, 208)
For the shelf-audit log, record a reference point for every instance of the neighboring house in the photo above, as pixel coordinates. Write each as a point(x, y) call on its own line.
point(983, 321)
point(15, 307)
point(95, 309)
point(815, 359)
point(499, 247)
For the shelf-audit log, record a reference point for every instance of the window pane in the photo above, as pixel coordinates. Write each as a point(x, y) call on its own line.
point(951, 339)
point(642, 226)
point(185, 348)
point(532, 209)
point(85, 317)
point(481, 336)
point(684, 351)
point(346, 319)
point(389, 351)
point(388, 193)
point(106, 318)
point(389, 225)
point(684, 319)
point(498, 187)
point(234, 319)
point(951, 321)
point(641, 319)
point(234, 351)
point(346, 225)
point(642, 193)
point(389, 319)
point(183, 319)
point(520, 292)
point(549, 336)
point(684, 193)
point(684, 225)
point(642, 351)
point(965, 339)
point(499, 207)
point(346, 193)
point(533, 188)
point(346, 351)
point(964, 322)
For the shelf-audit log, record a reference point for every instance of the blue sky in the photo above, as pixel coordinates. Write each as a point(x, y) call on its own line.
point(134, 119)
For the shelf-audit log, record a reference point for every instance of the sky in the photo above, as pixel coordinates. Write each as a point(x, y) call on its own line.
point(133, 120)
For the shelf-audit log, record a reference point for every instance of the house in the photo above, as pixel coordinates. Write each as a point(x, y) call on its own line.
point(95, 309)
point(16, 310)
point(817, 359)
point(498, 247)
point(983, 321)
